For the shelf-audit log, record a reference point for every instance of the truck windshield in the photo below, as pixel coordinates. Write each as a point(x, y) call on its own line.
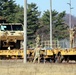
point(17, 27)
point(11, 27)
point(5, 27)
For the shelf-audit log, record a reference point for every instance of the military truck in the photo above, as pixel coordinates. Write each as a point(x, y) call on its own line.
point(11, 36)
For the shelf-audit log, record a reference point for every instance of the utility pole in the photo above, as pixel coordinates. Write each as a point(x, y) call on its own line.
point(51, 23)
point(25, 31)
point(70, 27)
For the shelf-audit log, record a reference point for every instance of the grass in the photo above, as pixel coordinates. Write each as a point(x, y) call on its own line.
point(17, 67)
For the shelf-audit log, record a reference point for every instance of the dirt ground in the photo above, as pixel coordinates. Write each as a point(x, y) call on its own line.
point(17, 67)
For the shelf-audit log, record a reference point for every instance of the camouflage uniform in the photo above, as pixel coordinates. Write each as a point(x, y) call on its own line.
point(72, 32)
point(37, 40)
point(37, 54)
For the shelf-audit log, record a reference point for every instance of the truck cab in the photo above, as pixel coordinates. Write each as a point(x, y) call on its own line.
point(11, 36)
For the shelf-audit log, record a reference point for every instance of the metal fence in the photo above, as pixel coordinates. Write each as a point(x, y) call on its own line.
point(64, 43)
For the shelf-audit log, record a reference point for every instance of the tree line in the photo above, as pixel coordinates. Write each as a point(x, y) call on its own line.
point(36, 24)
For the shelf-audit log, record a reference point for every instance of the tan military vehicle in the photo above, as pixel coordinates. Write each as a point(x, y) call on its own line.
point(11, 36)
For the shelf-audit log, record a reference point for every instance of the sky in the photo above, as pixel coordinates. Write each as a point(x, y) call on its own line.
point(58, 5)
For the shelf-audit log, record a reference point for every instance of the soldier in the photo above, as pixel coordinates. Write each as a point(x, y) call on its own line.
point(37, 40)
point(72, 32)
point(37, 54)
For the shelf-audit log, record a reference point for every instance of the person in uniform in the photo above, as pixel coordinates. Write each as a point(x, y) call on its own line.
point(37, 54)
point(72, 33)
point(37, 40)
